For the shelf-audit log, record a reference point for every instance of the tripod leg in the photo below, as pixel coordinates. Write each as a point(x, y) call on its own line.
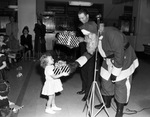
point(90, 101)
point(89, 97)
point(102, 101)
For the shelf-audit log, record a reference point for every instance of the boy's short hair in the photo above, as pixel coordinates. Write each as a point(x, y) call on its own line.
point(85, 11)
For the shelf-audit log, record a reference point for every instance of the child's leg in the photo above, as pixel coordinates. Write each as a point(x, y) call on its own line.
point(53, 101)
point(49, 105)
point(54, 107)
point(50, 100)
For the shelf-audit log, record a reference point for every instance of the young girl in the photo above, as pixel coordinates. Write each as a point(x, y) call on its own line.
point(52, 84)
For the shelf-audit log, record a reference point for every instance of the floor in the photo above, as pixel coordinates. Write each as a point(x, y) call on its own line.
point(26, 90)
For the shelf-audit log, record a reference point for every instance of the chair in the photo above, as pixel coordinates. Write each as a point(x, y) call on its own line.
point(28, 55)
point(15, 54)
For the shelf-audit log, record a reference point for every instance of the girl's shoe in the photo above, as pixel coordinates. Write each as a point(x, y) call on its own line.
point(50, 111)
point(55, 108)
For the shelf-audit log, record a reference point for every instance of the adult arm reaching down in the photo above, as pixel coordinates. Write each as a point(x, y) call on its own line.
point(81, 61)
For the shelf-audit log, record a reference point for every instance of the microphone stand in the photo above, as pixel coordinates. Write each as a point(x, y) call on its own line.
point(91, 96)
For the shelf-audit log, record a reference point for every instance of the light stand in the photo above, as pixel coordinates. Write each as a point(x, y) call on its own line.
point(91, 96)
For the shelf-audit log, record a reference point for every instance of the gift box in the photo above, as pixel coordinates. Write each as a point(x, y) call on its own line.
point(61, 67)
point(68, 39)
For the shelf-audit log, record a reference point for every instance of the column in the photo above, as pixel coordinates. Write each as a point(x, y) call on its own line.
point(142, 13)
point(26, 15)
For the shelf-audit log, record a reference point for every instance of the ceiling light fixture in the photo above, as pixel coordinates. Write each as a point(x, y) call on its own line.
point(13, 6)
point(80, 3)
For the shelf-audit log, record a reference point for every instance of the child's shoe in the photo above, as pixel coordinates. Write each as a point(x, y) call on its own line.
point(55, 108)
point(50, 111)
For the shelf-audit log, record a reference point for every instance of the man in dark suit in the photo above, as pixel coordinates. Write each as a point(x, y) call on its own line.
point(87, 71)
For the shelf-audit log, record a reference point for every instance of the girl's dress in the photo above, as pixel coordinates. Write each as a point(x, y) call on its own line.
point(51, 86)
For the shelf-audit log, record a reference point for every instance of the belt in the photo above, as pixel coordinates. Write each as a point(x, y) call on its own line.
point(112, 55)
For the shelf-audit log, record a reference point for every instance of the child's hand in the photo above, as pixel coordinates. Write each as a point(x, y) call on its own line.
point(65, 74)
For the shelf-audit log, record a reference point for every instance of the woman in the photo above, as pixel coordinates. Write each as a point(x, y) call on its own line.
point(26, 40)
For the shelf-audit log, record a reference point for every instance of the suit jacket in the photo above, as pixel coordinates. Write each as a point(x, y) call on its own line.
point(12, 29)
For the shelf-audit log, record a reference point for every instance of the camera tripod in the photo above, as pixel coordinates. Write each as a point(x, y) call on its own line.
point(91, 96)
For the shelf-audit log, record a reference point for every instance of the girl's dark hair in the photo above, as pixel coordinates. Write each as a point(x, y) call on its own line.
point(25, 28)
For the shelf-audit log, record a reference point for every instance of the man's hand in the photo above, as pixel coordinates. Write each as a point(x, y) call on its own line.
point(81, 39)
point(112, 78)
point(73, 66)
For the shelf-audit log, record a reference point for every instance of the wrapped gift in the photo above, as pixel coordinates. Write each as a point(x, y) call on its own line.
point(61, 67)
point(68, 39)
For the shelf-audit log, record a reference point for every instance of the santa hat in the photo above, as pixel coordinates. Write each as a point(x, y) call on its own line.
point(89, 27)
